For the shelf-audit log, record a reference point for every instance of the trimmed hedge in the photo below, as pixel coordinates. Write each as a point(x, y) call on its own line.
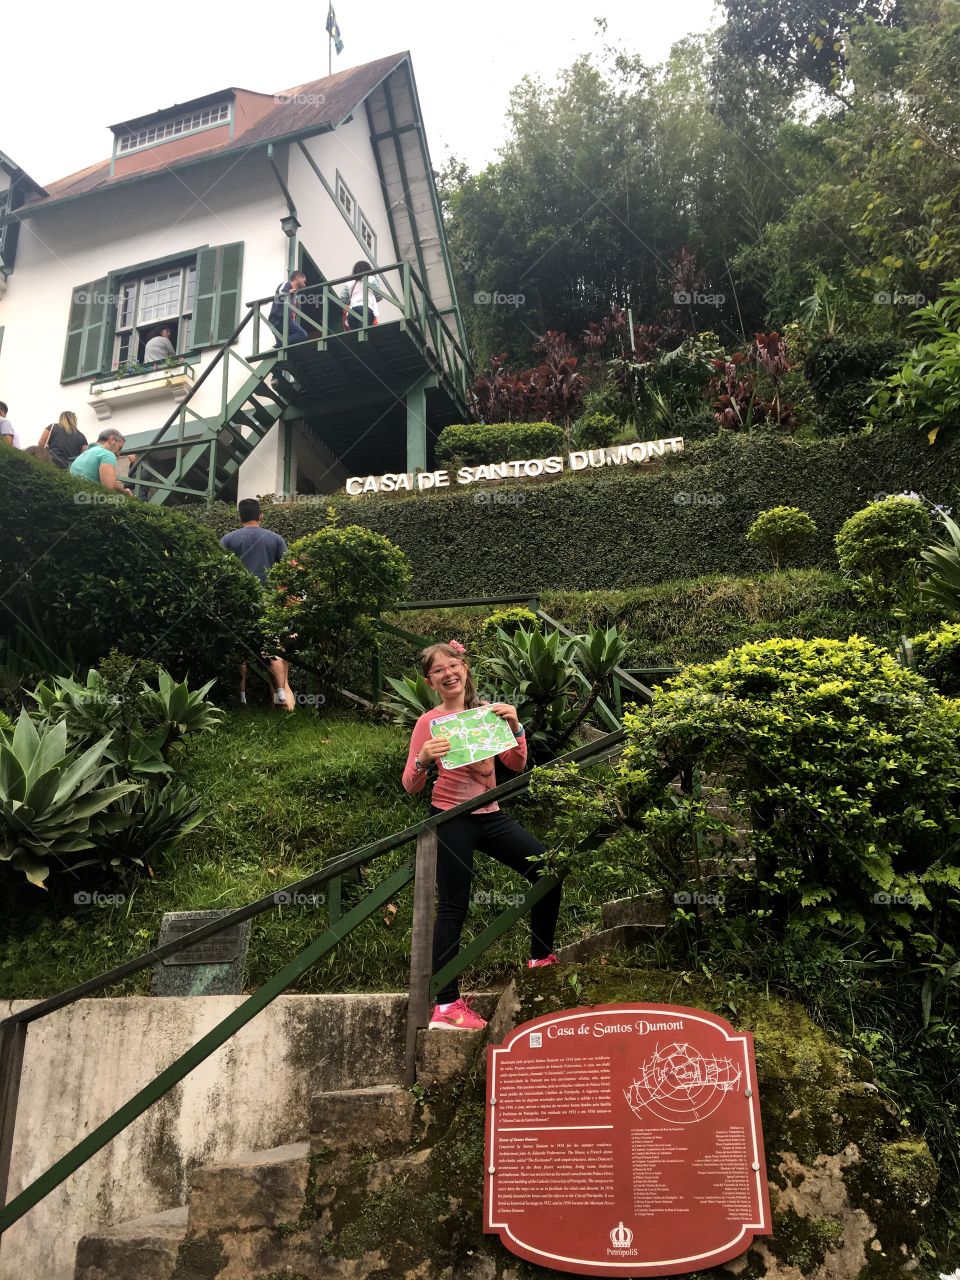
point(619, 528)
point(474, 444)
point(83, 570)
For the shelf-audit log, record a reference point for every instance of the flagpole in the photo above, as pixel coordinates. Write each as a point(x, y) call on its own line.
point(329, 40)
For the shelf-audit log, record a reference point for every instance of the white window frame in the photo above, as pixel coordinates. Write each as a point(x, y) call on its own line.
point(363, 226)
point(341, 191)
point(152, 135)
point(131, 290)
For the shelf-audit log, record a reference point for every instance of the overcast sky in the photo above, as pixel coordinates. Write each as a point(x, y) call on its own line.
point(70, 71)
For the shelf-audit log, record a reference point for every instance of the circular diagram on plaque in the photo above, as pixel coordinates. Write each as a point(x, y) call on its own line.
point(679, 1085)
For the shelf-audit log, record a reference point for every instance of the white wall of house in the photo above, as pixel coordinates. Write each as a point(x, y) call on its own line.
point(325, 233)
point(217, 203)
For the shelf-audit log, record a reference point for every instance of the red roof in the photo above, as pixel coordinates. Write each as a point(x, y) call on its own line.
point(306, 108)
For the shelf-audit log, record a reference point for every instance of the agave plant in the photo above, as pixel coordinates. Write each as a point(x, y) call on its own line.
point(943, 560)
point(538, 674)
point(598, 652)
point(48, 795)
point(412, 697)
point(142, 825)
point(88, 710)
point(179, 709)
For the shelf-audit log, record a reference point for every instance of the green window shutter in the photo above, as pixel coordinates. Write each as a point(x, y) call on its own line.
point(97, 310)
point(216, 312)
point(203, 307)
point(228, 298)
point(85, 330)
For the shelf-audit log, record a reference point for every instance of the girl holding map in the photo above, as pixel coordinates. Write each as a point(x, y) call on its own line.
point(489, 829)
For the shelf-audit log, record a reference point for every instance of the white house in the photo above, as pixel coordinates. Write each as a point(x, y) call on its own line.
point(199, 213)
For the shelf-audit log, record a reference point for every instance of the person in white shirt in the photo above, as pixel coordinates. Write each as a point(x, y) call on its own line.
point(159, 346)
point(354, 316)
point(8, 435)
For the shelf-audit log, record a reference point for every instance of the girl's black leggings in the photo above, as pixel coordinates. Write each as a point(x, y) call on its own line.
point(500, 837)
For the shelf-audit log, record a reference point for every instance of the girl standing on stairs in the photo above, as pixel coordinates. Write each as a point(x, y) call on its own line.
point(489, 829)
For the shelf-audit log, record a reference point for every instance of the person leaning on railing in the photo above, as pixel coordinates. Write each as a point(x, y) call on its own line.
point(351, 295)
point(447, 671)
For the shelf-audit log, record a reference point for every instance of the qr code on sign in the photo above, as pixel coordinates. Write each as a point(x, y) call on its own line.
point(536, 1039)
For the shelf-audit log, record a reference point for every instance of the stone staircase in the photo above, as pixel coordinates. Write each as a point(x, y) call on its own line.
point(266, 1214)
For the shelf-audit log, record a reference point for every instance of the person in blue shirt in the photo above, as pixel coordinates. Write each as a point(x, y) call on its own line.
point(287, 293)
point(259, 550)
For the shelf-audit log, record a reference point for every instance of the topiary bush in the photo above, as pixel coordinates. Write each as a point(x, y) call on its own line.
point(325, 594)
point(783, 533)
point(84, 570)
point(936, 656)
point(879, 548)
point(476, 444)
point(509, 620)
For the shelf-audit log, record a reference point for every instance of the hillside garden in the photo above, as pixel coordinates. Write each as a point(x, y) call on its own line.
point(789, 584)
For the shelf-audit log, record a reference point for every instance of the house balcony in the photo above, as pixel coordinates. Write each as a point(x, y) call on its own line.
point(172, 381)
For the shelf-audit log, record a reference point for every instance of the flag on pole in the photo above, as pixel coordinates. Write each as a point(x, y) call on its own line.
point(333, 29)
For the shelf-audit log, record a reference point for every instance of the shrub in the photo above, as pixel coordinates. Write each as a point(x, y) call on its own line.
point(509, 621)
point(833, 778)
point(595, 430)
point(840, 371)
point(83, 570)
point(936, 656)
point(879, 548)
point(327, 591)
point(782, 532)
point(473, 445)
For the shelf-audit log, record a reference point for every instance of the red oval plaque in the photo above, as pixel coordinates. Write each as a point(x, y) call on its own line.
point(625, 1140)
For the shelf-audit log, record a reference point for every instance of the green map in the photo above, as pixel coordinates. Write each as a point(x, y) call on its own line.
point(474, 735)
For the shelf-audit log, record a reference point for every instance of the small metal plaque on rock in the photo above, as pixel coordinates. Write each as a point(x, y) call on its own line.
point(212, 966)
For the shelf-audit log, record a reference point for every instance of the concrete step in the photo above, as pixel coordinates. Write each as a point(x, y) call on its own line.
point(252, 1190)
point(145, 1248)
point(649, 912)
point(444, 1055)
point(351, 1119)
point(623, 937)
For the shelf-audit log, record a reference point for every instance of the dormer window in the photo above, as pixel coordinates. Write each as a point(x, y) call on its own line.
point(174, 127)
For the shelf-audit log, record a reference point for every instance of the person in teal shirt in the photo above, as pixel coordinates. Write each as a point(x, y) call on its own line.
point(98, 464)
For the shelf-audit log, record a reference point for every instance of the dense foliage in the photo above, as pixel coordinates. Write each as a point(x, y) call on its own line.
point(618, 527)
point(498, 442)
point(325, 594)
point(84, 570)
point(879, 548)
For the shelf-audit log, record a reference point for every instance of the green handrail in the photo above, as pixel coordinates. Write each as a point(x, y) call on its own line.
point(220, 1034)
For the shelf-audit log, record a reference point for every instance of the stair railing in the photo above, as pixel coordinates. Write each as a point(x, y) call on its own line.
point(13, 1029)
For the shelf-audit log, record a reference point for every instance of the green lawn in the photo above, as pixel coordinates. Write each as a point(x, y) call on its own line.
point(283, 795)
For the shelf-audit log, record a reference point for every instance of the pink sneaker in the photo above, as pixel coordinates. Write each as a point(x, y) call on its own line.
point(459, 1017)
point(539, 964)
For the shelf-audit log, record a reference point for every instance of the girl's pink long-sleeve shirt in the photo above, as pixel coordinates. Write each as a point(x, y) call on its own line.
point(453, 786)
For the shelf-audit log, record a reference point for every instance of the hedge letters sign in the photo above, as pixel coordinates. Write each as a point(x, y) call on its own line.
point(624, 1140)
point(527, 468)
